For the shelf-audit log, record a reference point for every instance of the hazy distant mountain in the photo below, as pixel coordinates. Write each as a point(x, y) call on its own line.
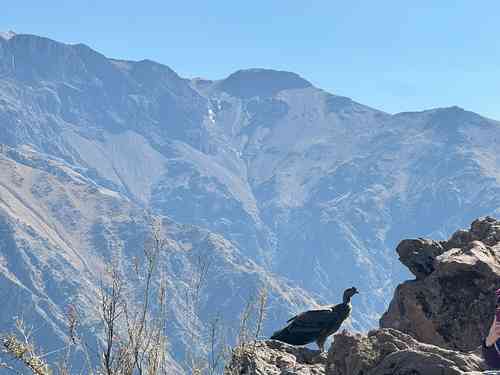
point(298, 186)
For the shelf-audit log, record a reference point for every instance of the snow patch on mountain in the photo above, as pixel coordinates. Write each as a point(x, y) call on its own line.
point(6, 35)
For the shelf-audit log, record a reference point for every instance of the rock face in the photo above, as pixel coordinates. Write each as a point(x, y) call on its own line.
point(388, 351)
point(381, 352)
point(275, 358)
point(451, 301)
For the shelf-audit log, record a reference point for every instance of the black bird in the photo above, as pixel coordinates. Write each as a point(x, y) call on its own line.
point(316, 325)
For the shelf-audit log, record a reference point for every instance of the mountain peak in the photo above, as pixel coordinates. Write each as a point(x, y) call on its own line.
point(451, 109)
point(261, 82)
point(7, 34)
point(439, 112)
point(455, 113)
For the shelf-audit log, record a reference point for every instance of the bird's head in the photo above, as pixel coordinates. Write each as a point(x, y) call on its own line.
point(348, 293)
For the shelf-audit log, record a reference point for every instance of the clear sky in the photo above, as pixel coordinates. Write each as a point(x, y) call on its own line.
point(393, 55)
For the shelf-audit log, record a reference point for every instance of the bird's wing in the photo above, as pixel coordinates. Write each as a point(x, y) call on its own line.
point(315, 319)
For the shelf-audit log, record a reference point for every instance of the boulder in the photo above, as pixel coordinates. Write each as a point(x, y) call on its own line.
point(388, 351)
point(419, 255)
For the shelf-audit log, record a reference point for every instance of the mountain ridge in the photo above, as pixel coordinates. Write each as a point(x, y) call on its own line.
point(8, 35)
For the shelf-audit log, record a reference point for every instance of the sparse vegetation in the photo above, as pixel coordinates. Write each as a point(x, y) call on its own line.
point(250, 330)
point(132, 325)
point(21, 348)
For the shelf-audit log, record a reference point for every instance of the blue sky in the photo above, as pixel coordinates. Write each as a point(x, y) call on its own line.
point(392, 55)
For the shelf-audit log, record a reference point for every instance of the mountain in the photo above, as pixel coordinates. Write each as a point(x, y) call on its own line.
point(310, 191)
point(60, 231)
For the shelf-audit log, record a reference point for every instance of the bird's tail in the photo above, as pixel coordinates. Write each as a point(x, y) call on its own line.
point(284, 335)
point(278, 335)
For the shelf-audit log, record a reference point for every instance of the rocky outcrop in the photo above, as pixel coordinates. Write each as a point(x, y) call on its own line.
point(381, 352)
point(434, 324)
point(418, 255)
point(274, 357)
point(451, 301)
point(388, 351)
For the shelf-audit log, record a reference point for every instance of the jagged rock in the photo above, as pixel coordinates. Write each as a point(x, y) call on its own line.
point(274, 357)
point(486, 230)
point(418, 255)
point(451, 302)
point(388, 351)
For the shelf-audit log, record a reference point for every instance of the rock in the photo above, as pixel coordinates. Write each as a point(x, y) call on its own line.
point(460, 238)
point(486, 230)
point(418, 255)
point(275, 357)
point(388, 351)
point(450, 304)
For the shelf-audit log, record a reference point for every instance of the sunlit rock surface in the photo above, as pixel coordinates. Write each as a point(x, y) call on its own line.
point(450, 303)
point(274, 357)
point(388, 351)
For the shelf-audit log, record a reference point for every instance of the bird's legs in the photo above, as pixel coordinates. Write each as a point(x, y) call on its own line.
point(321, 344)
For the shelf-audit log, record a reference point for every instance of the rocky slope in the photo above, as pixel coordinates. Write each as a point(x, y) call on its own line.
point(59, 231)
point(434, 324)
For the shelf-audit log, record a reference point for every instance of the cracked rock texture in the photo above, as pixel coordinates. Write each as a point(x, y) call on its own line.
point(450, 302)
point(274, 357)
point(389, 351)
